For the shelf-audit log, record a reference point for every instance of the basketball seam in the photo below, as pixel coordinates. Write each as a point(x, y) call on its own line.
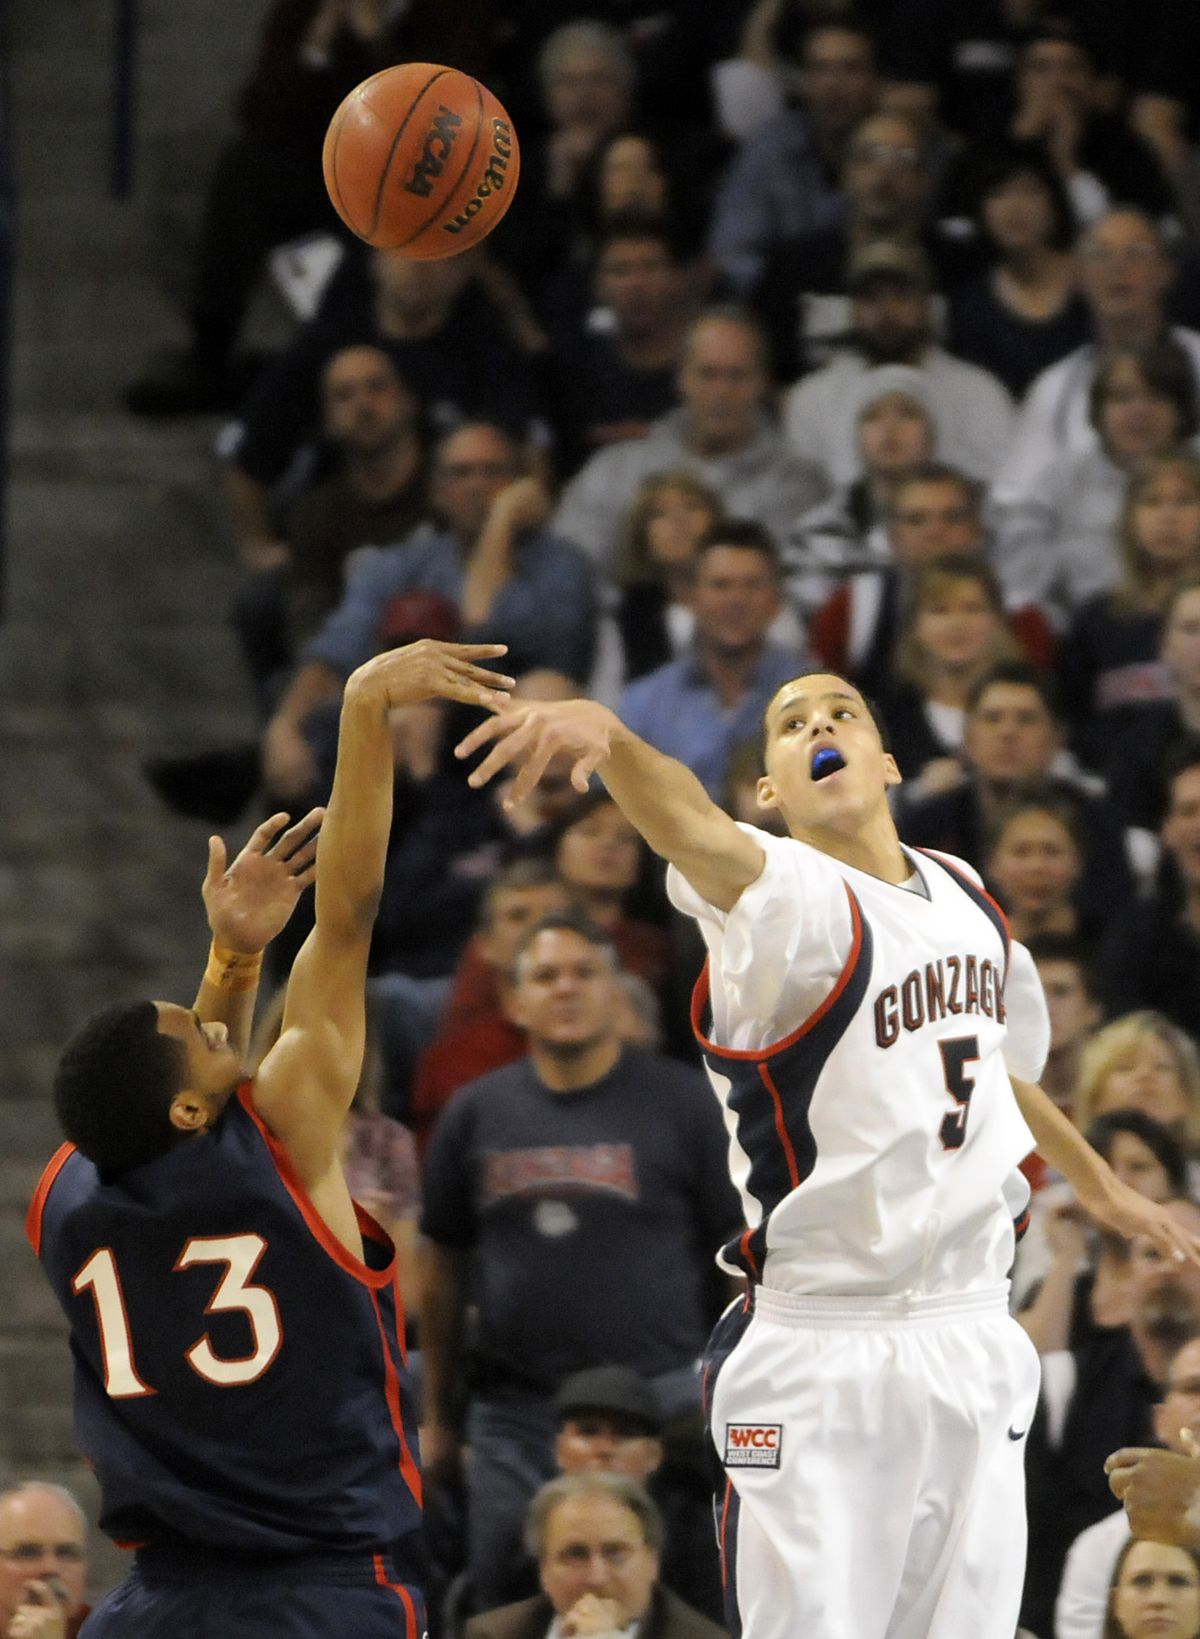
point(445, 204)
point(391, 153)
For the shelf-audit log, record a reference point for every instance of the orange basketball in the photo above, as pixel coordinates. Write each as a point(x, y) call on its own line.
point(421, 159)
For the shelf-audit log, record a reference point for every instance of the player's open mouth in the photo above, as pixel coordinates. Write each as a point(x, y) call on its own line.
point(826, 760)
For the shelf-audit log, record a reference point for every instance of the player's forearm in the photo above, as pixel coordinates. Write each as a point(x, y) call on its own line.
point(358, 816)
point(227, 995)
point(1063, 1146)
point(680, 821)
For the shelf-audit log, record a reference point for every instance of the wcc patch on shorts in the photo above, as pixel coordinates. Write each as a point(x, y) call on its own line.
point(753, 1445)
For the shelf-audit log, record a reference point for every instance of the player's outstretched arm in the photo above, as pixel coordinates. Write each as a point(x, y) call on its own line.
point(1100, 1192)
point(248, 903)
point(307, 1080)
point(658, 795)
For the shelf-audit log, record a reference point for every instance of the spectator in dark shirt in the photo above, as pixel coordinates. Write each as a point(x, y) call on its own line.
point(785, 178)
point(803, 293)
point(267, 187)
point(1013, 735)
point(376, 492)
point(1074, 1000)
point(614, 381)
point(1110, 670)
point(1107, 1401)
point(953, 631)
point(1136, 778)
point(451, 342)
point(1024, 312)
point(492, 560)
point(1034, 861)
point(1152, 957)
point(577, 1196)
point(670, 515)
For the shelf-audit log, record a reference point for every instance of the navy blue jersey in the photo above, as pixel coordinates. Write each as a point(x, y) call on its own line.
point(240, 1380)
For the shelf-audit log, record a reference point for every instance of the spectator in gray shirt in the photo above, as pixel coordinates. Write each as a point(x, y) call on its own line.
point(721, 433)
point(488, 556)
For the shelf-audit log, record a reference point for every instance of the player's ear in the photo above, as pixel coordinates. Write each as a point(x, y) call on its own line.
point(767, 796)
point(891, 771)
point(187, 1113)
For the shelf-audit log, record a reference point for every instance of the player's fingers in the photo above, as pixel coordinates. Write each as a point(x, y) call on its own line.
point(528, 775)
point(1125, 1458)
point(304, 877)
point(583, 770)
point(481, 674)
point(480, 735)
point(216, 861)
point(477, 651)
point(296, 836)
point(514, 744)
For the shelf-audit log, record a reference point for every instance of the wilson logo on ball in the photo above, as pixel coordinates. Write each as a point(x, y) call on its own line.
point(492, 179)
point(439, 140)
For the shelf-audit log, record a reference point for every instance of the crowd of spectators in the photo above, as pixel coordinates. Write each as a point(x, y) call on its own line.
point(824, 334)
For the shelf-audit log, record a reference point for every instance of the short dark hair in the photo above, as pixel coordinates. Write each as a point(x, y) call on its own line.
point(534, 872)
point(567, 922)
point(114, 1085)
point(1166, 1148)
point(1007, 159)
point(745, 534)
point(873, 709)
point(1069, 947)
point(936, 472)
point(642, 224)
point(1020, 674)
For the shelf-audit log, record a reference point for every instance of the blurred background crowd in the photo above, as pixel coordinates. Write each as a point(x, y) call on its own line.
point(863, 337)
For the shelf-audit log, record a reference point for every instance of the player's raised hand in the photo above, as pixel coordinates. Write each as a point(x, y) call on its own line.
point(529, 735)
point(1128, 1213)
point(250, 901)
point(1161, 1493)
point(432, 670)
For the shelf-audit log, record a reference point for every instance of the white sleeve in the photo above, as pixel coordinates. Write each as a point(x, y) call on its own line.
point(1083, 1593)
point(778, 953)
point(1028, 1040)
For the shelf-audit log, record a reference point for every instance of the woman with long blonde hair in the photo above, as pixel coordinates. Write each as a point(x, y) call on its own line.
point(1142, 1061)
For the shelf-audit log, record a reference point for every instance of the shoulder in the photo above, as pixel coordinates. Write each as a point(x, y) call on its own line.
point(953, 863)
point(528, 1617)
point(957, 374)
point(669, 1077)
point(671, 1618)
point(665, 679)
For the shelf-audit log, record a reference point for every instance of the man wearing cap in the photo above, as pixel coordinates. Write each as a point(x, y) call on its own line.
point(891, 323)
point(597, 1539)
point(802, 293)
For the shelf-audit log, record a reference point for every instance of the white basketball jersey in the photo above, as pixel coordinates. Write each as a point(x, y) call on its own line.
point(857, 1043)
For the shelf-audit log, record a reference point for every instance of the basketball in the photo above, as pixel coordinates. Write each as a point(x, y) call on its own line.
point(421, 159)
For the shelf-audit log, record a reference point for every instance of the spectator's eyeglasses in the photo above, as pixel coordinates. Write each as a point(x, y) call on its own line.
point(28, 1553)
point(613, 1554)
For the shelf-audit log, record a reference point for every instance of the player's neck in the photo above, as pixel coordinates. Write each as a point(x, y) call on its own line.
point(569, 1069)
point(873, 847)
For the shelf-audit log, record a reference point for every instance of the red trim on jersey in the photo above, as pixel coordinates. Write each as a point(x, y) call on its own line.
point(721, 1532)
point(402, 1594)
point(744, 1249)
point(781, 1132)
point(37, 1204)
point(391, 1389)
point(1021, 1224)
point(700, 996)
point(320, 1230)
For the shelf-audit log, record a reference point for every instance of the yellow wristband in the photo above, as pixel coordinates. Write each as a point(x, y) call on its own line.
point(234, 971)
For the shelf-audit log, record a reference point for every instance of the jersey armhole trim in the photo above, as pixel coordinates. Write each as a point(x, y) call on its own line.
point(318, 1228)
point(757, 1054)
point(37, 1204)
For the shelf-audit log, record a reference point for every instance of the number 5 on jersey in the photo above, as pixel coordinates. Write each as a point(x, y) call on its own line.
point(240, 1255)
point(957, 1053)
